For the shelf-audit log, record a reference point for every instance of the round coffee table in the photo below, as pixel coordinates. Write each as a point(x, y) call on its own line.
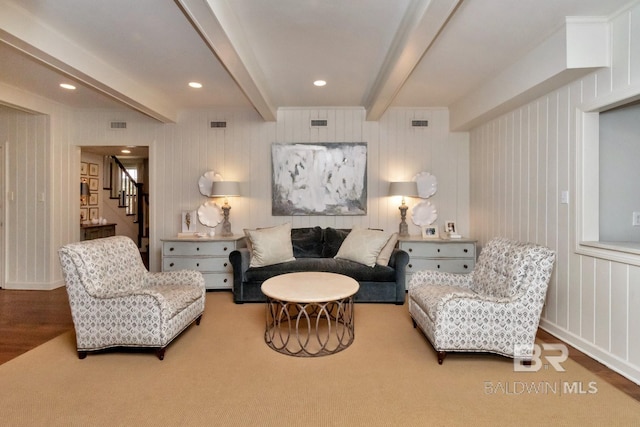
point(309, 314)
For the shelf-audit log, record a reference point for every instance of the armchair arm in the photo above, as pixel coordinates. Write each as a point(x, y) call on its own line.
point(440, 278)
point(178, 277)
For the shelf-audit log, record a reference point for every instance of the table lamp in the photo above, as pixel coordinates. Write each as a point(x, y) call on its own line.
point(225, 189)
point(404, 189)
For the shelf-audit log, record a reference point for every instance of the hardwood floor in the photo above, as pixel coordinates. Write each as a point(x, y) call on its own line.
point(31, 318)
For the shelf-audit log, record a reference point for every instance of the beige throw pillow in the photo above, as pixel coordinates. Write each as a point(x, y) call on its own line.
point(270, 245)
point(385, 253)
point(363, 246)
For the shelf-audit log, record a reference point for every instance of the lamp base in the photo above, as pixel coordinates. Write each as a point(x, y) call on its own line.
point(403, 230)
point(226, 225)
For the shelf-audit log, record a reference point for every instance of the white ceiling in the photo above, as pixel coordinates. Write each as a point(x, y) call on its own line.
point(372, 53)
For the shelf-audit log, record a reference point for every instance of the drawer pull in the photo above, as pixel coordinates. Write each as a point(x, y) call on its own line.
point(171, 249)
point(171, 265)
point(197, 264)
point(466, 250)
point(410, 266)
point(410, 249)
point(225, 280)
point(197, 249)
point(466, 266)
point(438, 250)
point(225, 249)
point(225, 264)
point(438, 266)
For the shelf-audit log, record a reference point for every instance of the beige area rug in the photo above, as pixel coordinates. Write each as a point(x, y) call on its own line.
point(222, 373)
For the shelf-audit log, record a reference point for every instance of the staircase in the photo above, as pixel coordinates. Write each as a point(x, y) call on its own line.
point(131, 200)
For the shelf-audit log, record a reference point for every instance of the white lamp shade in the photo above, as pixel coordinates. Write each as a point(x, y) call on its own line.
point(406, 188)
point(225, 189)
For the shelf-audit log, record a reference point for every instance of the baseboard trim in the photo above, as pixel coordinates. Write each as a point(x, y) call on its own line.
point(33, 286)
point(611, 361)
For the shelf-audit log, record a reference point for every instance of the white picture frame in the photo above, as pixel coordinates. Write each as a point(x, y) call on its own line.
point(189, 221)
point(451, 230)
point(450, 227)
point(430, 232)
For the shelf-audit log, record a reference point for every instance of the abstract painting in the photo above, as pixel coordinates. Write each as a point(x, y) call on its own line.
point(319, 178)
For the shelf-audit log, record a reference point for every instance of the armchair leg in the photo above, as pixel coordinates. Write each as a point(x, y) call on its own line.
point(441, 356)
point(415, 325)
point(82, 354)
point(160, 353)
point(198, 320)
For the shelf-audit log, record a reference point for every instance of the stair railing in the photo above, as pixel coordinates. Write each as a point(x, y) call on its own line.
point(130, 195)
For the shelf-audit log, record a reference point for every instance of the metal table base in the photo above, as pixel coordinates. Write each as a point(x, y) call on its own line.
point(309, 329)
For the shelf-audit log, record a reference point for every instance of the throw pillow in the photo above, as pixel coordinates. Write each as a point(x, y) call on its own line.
point(363, 246)
point(333, 239)
point(307, 242)
point(385, 253)
point(270, 245)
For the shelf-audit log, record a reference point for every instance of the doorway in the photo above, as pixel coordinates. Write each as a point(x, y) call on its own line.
point(118, 178)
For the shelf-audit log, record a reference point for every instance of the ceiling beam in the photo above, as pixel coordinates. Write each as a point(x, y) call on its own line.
point(221, 30)
point(25, 32)
point(422, 23)
point(576, 49)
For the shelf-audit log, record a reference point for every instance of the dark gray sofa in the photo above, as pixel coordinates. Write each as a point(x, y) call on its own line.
point(314, 249)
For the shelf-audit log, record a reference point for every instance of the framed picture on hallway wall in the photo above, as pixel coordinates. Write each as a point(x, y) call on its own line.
point(93, 184)
point(93, 169)
point(94, 213)
point(84, 168)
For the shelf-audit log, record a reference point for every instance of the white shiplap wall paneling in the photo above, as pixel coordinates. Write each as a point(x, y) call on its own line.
point(520, 164)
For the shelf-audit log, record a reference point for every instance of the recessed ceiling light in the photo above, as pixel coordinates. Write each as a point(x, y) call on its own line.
point(67, 86)
point(125, 151)
point(319, 83)
point(195, 85)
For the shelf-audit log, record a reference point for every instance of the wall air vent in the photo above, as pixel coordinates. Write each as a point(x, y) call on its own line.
point(118, 125)
point(318, 123)
point(419, 123)
point(218, 124)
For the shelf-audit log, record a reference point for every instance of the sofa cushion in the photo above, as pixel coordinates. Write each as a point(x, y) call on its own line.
point(352, 269)
point(363, 246)
point(270, 245)
point(307, 242)
point(333, 238)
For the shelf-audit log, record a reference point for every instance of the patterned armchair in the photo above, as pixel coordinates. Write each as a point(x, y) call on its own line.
point(496, 308)
point(116, 302)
